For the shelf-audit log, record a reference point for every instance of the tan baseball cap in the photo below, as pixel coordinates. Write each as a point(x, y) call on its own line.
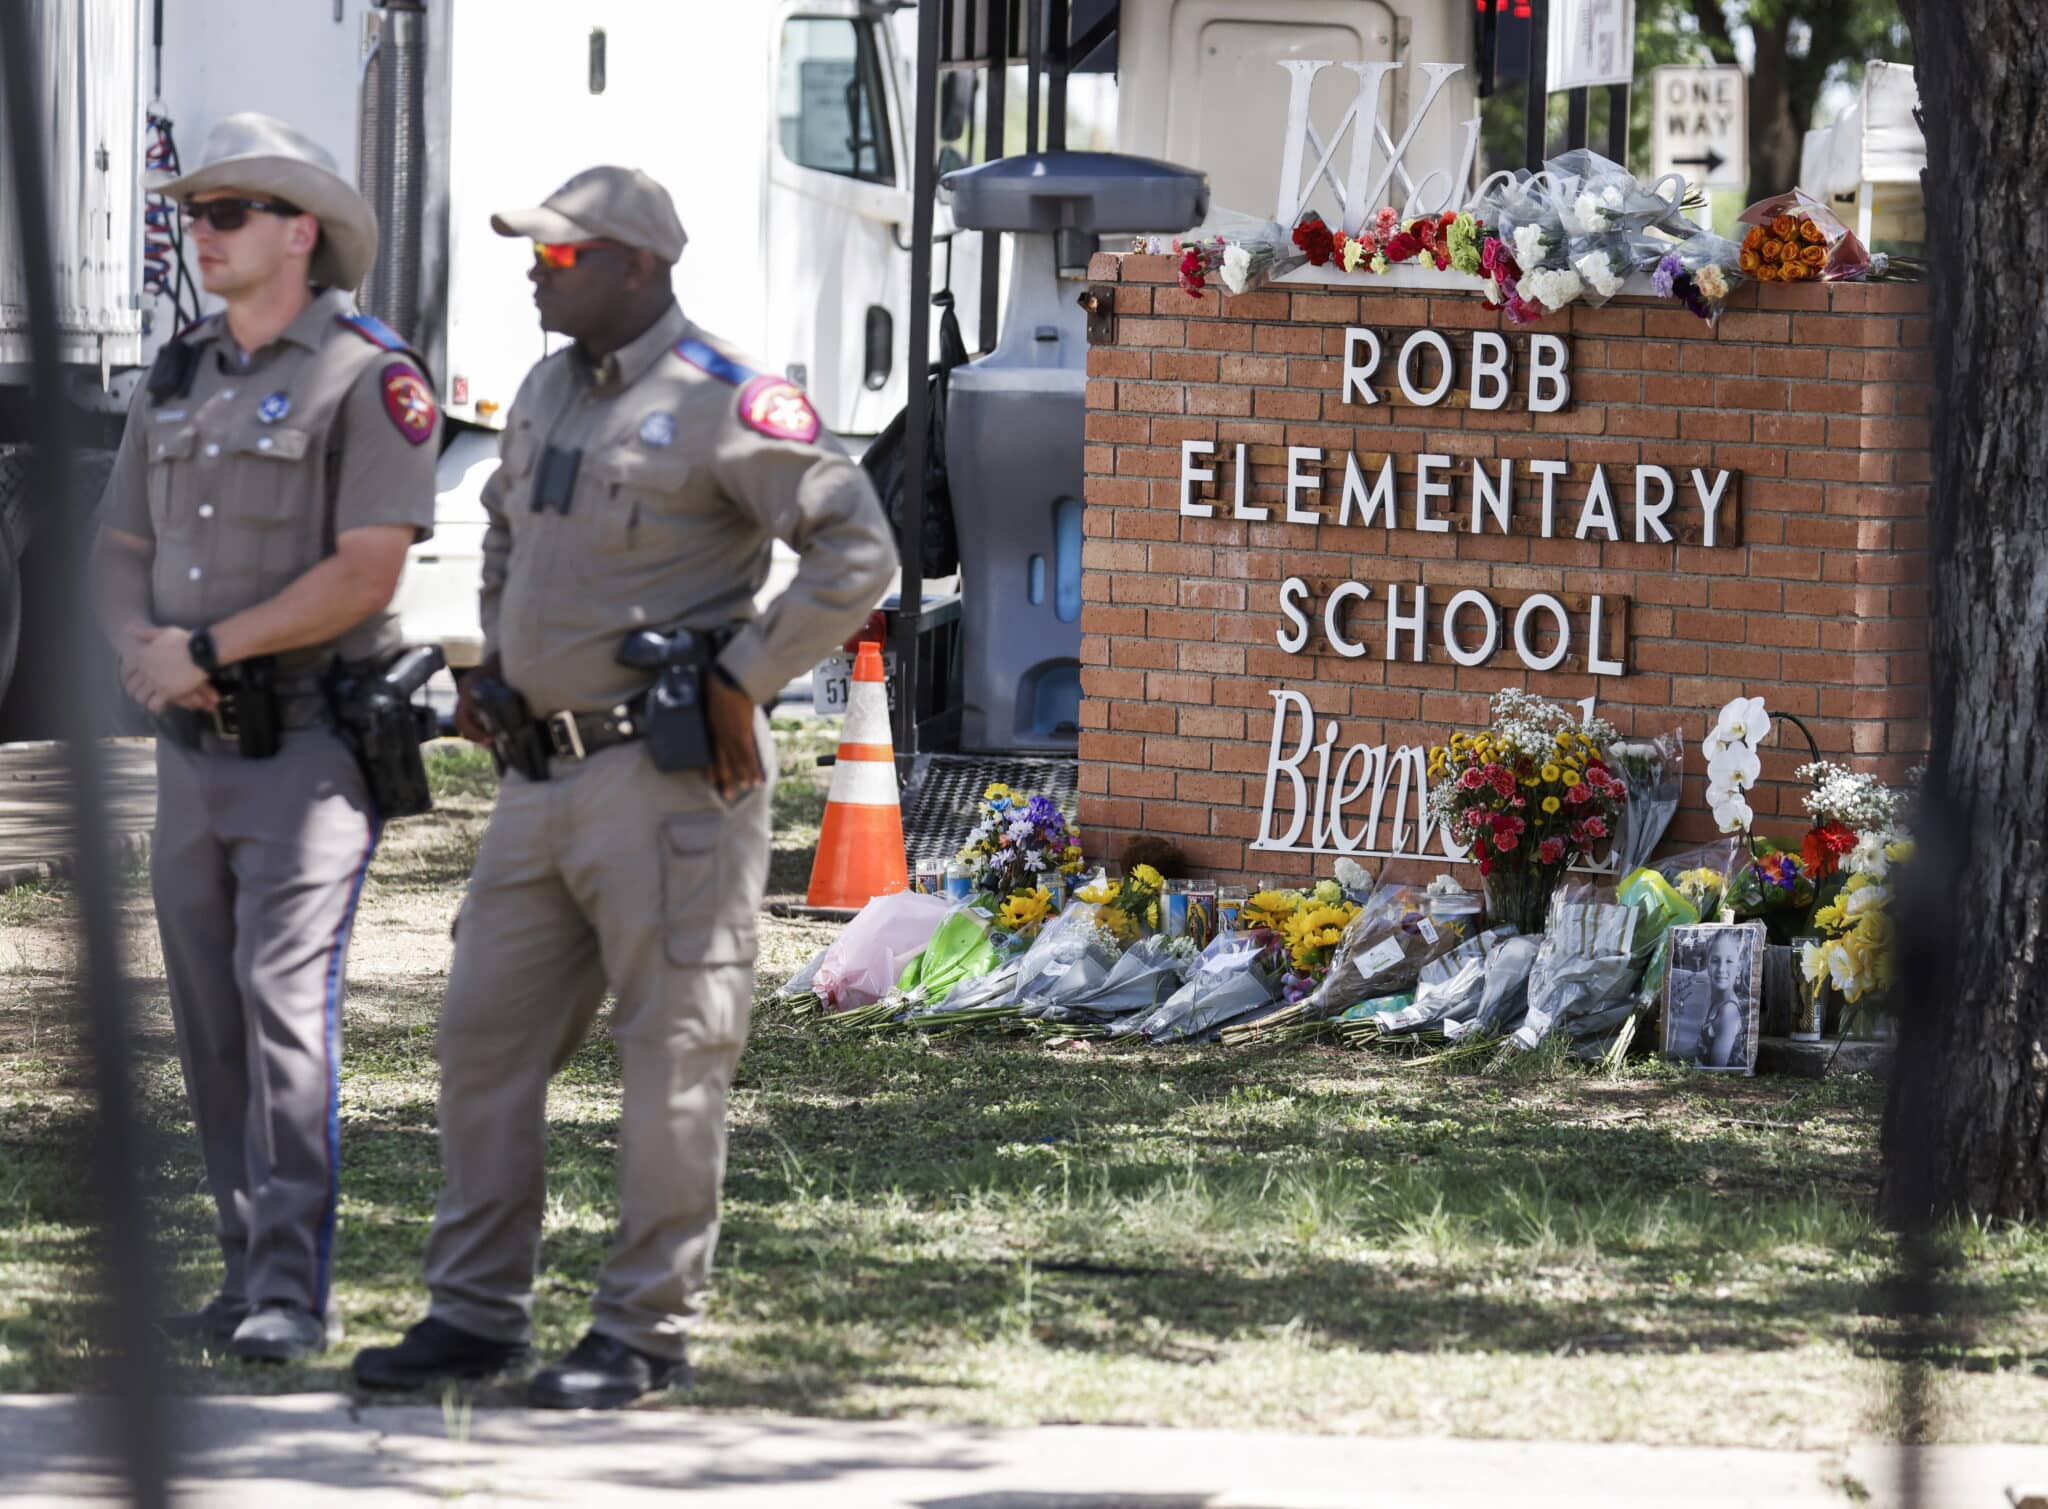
point(606, 203)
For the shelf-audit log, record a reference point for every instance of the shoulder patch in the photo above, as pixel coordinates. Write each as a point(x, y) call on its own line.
point(408, 403)
point(777, 408)
point(373, 330)
point(717, 363)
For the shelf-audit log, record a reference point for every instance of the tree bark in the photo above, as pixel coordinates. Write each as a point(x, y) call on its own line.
point(1775, 134)
point(1967, 1126)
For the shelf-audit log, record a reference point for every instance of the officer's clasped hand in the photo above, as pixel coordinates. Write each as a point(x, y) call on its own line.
point(157, 671)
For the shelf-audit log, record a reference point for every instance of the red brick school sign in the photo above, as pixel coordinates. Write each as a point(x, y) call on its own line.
point(1324, 526)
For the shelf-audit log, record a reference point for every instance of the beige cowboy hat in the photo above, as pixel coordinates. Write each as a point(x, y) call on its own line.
point(260, 154)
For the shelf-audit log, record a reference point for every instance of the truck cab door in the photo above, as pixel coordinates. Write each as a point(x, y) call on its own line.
point(837, 233)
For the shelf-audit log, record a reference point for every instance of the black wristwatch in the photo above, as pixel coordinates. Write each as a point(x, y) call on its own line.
point(200, 647)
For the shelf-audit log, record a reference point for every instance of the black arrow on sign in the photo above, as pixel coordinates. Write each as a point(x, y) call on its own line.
point(1711, 162)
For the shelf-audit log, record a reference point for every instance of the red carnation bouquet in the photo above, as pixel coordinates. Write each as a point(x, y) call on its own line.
point(1530, 796)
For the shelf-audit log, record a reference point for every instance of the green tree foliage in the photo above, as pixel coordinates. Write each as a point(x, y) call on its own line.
point(1793, 49)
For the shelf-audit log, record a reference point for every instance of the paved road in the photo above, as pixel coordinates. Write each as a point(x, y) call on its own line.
point(322, 1449)
point(35, 801)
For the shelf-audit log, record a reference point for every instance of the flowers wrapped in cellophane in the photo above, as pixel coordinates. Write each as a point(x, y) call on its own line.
point(1652, 770)
point(1597, 195)
point(862, 964)
point(1604, 261)
point(1795, 238)
point(1242, 252)
point(1700, 273)
point(1233, 978)
point(1586, 969)
point(1531, 225)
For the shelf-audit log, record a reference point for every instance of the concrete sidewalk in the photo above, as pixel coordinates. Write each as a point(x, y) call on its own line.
point(35, 804)
point(324, 1449)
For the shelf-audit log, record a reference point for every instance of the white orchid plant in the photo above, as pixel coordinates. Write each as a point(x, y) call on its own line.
point(1733, 765)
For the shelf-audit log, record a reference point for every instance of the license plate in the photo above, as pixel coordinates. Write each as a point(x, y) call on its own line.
point(832, 683)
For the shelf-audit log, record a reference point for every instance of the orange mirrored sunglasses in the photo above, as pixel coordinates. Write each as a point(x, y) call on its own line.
point(559, 255)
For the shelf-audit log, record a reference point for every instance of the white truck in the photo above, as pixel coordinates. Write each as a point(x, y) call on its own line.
point(783, 127)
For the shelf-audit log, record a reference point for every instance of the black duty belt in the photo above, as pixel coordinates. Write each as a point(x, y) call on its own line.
point(302, 702)
point(578, 736)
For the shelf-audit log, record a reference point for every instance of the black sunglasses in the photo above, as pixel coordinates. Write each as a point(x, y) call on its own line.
point(233, 214)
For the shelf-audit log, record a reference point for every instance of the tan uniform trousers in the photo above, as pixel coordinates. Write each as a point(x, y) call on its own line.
point(613, 875)
point(257, 866)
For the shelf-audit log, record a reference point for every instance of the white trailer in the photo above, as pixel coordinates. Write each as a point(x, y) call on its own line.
point(783, 127)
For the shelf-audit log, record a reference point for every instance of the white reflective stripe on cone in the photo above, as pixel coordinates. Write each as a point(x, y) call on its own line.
point(864, 783)
point(867, 715)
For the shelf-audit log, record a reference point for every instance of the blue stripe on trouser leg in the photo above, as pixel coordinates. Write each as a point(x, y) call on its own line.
point(337, 956)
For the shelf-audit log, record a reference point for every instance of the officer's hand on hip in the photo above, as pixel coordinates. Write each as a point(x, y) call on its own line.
point(735, 759)
point(469, 721)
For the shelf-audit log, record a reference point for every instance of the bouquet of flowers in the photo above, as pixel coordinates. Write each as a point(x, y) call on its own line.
point(1603, 260)
point(1586, 970)
point(1528, 796)
point(1795, 238)
point(1700, 273)
point(1133, 985)
point(1129, 907)
point(1853, 951)
point(1233, 978)
point(859, 967)
point(1652, 769)
point(1017, 840)
point(1503, 283)
point(1846, 805)
point(1299, 931)
point(1597, 195)
point(1244, 253)
point(1851, 850)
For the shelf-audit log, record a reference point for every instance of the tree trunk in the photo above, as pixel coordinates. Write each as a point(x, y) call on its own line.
point(1967, 1127)
point(1775, 136)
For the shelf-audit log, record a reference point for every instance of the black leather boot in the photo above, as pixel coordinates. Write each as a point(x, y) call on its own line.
point(213, 1323)
point(604, 1373)
point(435, 1352)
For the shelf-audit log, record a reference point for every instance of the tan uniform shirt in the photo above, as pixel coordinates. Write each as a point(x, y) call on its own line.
point(243, 484)
point(692, 465)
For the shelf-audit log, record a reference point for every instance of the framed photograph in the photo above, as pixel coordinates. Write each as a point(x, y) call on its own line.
point(1713, 995)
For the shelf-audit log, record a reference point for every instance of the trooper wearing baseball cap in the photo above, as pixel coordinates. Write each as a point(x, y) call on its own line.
point(645, 473)
point(274, 471)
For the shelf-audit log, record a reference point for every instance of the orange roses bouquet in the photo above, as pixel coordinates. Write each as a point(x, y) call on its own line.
point(1794, 238)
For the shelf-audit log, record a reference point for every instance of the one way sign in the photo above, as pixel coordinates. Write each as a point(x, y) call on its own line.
point(1700, 125)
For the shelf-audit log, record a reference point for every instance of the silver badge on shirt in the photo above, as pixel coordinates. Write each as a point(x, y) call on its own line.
point(658, 429)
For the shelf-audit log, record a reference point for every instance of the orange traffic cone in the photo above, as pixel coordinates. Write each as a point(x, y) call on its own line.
point(860, 848)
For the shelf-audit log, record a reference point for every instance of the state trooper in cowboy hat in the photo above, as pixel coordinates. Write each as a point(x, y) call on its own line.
point(274, 471)
point(645, 473)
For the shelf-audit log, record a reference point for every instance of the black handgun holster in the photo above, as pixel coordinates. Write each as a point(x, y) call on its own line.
point(374, 709)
